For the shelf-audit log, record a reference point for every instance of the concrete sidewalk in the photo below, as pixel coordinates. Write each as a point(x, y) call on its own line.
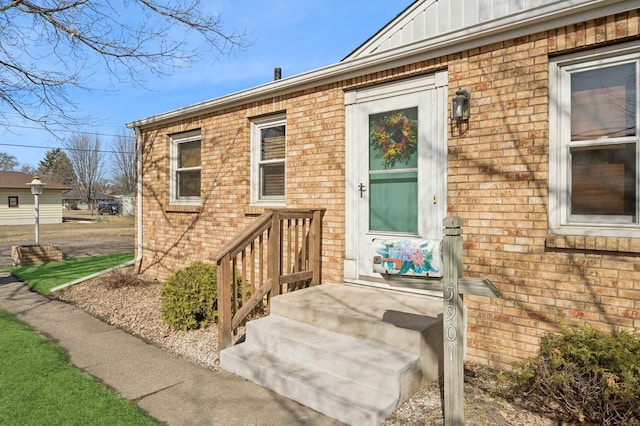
point(173, 390)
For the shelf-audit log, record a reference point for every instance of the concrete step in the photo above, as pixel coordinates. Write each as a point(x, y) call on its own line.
point(364, 361)
point(409, 322)
point(352, 353)
point(350, 402)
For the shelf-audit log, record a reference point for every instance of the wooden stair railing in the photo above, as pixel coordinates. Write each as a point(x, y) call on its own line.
point(278, 252)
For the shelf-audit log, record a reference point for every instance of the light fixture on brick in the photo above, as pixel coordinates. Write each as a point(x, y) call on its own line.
point(461, 105)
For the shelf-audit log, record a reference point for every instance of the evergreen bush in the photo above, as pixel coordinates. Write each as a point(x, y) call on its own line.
point(582, 375)
point(189, 297)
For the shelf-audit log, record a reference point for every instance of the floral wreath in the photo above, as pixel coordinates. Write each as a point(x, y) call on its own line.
point(394, 137)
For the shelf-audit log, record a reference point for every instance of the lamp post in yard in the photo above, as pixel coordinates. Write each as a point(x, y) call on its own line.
point(36, 189)
point(35, 253)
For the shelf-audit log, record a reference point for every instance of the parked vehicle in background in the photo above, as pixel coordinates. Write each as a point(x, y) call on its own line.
point(110, 208)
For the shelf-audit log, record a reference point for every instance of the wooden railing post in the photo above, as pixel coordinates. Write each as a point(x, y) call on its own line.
point(314, 247)
point(453, 324)
point(224, 302)
point(273, 263)
point(233, 311)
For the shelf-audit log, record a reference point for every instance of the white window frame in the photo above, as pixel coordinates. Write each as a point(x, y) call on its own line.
point(176, 140)
point(256, 161)
point(560, 220)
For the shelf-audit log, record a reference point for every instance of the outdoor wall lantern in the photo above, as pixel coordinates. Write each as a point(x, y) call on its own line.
point(461, 105)
point(36, 189)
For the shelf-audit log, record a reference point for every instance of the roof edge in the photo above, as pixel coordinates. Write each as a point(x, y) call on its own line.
point(407, 10)
point(547, 17)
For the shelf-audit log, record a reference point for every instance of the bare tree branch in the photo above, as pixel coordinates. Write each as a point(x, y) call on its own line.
point(124, 160)
point(87, 160)
point(49, 47)
point(7, 162)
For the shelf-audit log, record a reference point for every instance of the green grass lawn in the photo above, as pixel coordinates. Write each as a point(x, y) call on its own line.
point(45, 276)
point(38, 386)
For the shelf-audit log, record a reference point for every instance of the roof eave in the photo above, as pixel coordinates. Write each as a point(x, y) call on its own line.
point(452, 42)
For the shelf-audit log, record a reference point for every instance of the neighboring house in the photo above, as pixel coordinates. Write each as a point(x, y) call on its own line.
point(17, 206)
point(544, 172)
point(74, 200)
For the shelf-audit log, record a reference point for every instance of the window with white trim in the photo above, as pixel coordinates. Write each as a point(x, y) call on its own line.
point(594, 145)
point(185, 167)
point(268, 170)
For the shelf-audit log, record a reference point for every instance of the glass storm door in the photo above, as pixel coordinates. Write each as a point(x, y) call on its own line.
point(392, 175)
point(396, 170)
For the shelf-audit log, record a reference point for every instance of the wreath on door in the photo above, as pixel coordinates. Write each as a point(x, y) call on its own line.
point(394, 138)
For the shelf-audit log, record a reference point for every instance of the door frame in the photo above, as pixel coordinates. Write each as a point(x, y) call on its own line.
point(353, 99)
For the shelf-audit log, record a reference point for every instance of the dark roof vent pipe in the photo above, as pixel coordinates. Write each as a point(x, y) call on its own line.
point(277, 73)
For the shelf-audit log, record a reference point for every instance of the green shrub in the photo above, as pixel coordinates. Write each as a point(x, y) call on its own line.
point(189, 297)
point(582, 375)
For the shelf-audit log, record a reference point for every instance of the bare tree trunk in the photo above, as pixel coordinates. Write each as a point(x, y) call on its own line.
point(124, 156)
point(88, 162)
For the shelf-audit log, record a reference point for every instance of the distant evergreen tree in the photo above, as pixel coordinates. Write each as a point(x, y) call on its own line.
point(57, 166)
point(49, 159)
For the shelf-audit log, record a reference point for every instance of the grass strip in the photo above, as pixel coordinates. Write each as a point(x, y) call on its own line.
point(45, 276)
point(38, 386)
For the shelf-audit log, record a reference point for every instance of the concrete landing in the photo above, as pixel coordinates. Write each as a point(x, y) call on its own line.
point(409, 322)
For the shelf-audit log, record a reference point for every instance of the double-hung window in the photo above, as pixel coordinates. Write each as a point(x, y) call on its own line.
point(594, 145)
point(268, 141)
point(185, 167)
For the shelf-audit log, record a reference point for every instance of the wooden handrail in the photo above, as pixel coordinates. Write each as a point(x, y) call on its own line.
point(233, 247)
point(250, 305)
point(279, 251)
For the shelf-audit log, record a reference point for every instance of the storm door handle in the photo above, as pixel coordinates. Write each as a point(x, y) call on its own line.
point(362, 189)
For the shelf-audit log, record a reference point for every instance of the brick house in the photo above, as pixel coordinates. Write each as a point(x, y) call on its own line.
point(543, 172)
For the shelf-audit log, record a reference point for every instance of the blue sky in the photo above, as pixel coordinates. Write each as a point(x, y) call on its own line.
point(295, 35)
